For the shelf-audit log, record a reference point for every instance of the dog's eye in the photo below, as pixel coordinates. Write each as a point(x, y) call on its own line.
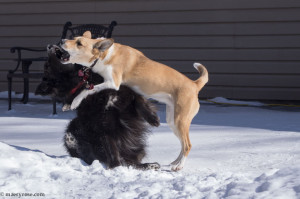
point(79, 43)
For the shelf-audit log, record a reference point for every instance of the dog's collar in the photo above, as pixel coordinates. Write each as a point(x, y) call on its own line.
point(83, 73)
point(95, 62)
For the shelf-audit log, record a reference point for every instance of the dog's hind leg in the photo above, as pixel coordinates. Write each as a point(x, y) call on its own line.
point(78, 148)
point(183, 115)
point(86, 153)
point(182, 127)
point(170, 117)
point(70, 144)
point(170, 120)
point(112, 153)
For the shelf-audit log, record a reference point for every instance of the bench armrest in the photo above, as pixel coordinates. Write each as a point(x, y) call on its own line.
point(13, 49)
point(19, 51)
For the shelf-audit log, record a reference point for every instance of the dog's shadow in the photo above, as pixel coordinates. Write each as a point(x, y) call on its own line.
point(19, 148)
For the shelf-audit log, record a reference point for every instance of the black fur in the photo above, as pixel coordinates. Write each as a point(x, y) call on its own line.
point(59, 79)
point(110, 125)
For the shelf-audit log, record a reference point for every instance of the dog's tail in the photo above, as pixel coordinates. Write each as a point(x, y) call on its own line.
point(203, 79)
point(147, 111)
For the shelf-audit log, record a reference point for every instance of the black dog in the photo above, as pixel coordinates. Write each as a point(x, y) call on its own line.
point(110, 126)
point(59, 79)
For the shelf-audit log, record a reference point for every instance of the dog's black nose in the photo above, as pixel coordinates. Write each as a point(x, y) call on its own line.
point(49, 46)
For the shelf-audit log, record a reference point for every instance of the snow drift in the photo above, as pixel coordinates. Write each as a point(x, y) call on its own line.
point(238, 152)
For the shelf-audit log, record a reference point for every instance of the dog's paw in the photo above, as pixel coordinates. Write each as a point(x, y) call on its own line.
point(178, 164)
point(153, 166)
point(76, 102)
point(66, 107)
point(70, 140)
point(176, 167)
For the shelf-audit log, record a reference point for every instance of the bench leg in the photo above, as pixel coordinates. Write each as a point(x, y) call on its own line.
point(54, 106)
point(25, 91)
point(9, 80)
point(25, 69)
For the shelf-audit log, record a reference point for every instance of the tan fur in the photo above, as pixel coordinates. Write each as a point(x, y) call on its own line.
point(96, 54)
point(87, 34)
point(131, 67)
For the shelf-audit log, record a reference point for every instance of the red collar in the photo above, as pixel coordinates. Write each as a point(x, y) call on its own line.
point(83, 73)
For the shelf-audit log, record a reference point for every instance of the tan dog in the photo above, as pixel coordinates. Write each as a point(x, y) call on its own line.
point(119, 64)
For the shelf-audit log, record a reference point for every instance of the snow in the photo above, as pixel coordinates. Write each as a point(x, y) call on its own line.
point(236, 102)
point(238, 152)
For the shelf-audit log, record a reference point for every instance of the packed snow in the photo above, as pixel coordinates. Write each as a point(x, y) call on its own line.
point(238, 152)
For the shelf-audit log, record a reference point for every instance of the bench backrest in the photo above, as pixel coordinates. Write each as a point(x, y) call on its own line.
point(97, 30)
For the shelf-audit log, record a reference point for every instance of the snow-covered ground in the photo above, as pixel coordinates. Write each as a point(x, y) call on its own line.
point(238, 152)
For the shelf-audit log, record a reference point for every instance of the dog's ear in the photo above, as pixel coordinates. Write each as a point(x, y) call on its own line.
point(87, 34)
point(103, 45)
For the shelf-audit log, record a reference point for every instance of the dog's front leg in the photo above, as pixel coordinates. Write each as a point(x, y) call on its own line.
point(76, 102)
point(105, 85)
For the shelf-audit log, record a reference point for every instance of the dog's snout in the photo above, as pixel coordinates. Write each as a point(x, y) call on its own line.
point(63, 41)
point(49, 46)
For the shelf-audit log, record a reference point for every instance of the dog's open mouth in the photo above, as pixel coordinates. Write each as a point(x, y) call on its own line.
point(60, 53)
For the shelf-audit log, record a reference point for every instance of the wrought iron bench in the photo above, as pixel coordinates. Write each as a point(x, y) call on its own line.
point(68, 32)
